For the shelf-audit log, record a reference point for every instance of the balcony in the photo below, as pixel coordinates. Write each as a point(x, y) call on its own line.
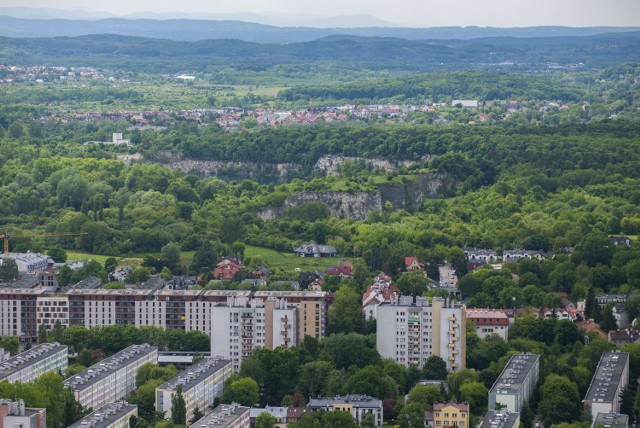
point(451, 358)
point(452, 318)
point(455, 325)
point(451, 345)
point(452, 332)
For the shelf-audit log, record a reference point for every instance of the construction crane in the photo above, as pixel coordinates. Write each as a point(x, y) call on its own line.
point(7, 236)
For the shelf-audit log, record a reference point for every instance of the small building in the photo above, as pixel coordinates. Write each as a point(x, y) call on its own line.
point(412, 263)
point(610, 420)
point(30, 365)
point(516, 383)
point(623, 337)
point(14, 414)
point(382, 290)
point(481, 256)
point(489, 321)
point(280, 413)
point(500, 419)
point(517, 254)
point(315, 250)
point(226, 270)
point(608, 383)
point(225, 416)
point(343, 270)
point(201, 384)
point(465, 103)
point(448, 415)
point(621, 240)
point(590, 326)
point(359, 406)
point(113, 415)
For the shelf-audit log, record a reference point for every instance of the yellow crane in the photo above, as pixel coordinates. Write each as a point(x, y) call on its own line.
point(7, 236)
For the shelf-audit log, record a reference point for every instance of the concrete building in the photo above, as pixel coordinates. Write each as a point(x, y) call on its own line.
point(113, 415)
point(489, 321)
point(278, 412)
point(113, 378)
point(409, 331)
point(14, 414)
point(225, 416)
point(500, 419)
point(448, 415)
point(358, 405)
point(611, 377)
point(51, 309)
point(516, 383)
point(201, 384)
point(35, 362)
point(382, 290)
point(610, 420)
point(30, 263)
point(18, 312)
point(242, 325)
point(4, 355)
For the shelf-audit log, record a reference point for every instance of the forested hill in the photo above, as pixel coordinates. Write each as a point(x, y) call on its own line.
point(194, 30)
point(393, 54)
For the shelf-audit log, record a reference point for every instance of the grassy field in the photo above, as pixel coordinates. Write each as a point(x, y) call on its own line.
point(288, 262)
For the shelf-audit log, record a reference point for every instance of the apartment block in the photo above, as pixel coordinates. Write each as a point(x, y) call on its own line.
point(52, 309)
point(18, 312)
point(516, 383)
point(241, 325)
point(500, 419)
point(35, 362)
point(312, 309)
point(113, 378)
point(201, 384)
point(611, 377)
point(610, 420)
point(359, 406)
point(113, 415)
point(91, 307)
point(14, 414)
point(489, 321)
point(225, 416)
point(410, 330)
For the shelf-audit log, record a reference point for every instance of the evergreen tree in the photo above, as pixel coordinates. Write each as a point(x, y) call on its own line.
point(178, 407)
point(590, 305)
point(608, 320)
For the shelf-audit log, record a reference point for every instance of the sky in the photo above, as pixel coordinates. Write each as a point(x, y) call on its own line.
point(415, 13)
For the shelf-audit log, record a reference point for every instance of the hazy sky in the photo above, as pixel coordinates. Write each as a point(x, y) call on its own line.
point(423, 13)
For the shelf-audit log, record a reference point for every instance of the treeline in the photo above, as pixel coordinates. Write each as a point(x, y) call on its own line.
point(442, 87)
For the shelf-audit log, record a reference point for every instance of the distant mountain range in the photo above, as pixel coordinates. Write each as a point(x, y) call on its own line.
point(194, 30)
point(348, 52)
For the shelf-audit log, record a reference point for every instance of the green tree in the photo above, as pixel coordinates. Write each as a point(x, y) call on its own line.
point(265, 420)
point(435, 368)
point(8, 270)
point(608, 319)
point(474, 393)
point(412, 416)
point(345, 314)
point(560, 400)
point(10, 344)
point(425, 396)
point(110, 265)
point(244, 391)
point(178, 407)
point(197, 415)
point(58, 255)
point(171, 255)
point(314, 378)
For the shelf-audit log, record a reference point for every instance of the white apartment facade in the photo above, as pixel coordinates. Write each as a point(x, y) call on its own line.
point(241, 325)
point(516, 383)
point(410, 331)
point(201, 384)
point(35, 362)
point(113, 378)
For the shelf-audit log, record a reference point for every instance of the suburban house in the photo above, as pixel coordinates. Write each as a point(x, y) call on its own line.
point(412, 263)
point(623, 337)
point(448, 415)
point(226, 270)
point(260, 272)
point(621, 240)
point(515, 255)
point(315, 250)
point(590, 326)
point(481, 256)
point(382, 290)
point(489, 321)
point(343, 270)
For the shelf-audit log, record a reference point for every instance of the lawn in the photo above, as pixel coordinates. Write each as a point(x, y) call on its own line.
point(74, 256)
point(289, 261)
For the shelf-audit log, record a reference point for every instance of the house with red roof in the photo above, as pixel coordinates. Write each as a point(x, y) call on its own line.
point(226, 270)
point(412, 263)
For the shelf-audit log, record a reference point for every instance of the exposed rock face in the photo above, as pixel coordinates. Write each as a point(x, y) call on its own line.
point(356, 205)
point(248, 169)
point(331, 163)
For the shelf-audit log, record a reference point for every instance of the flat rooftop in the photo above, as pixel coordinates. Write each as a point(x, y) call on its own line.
point(195, 374)
point(106, 367)
point(604, 385)
point(222, 416)
point(105, 416)
point(30, 357)
point(360, 400)
point(500, 419)
point(611, 420)
point(514, 373)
